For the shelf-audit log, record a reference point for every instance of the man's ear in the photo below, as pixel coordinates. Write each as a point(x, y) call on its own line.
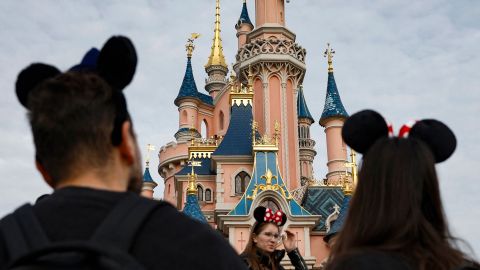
point(127, 147)
point(45, 175)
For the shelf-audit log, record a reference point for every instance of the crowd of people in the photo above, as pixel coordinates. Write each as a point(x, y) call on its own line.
point(86, 150)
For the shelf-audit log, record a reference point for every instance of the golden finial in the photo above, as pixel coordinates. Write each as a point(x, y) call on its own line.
point(189, 46)
point(150, 147)
point(353, 164)
point(216, 57)
point(329, 52)
point(192, 186)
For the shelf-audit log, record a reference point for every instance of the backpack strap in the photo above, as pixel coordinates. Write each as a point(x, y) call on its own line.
point(22, 232)
point(121, 225)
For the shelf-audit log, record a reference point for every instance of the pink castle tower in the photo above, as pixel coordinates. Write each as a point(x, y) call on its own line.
point(247, 142)
point(278, 65)
point(332, 119)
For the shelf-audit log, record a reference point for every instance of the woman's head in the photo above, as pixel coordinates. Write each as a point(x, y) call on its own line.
point(397, 199)
point(265, 233)
point(265, 236)
point(396, 205)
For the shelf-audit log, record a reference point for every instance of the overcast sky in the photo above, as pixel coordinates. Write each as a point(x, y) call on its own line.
point(406, 59)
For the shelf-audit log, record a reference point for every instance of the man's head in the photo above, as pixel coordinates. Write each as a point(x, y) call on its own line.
point(79, 119)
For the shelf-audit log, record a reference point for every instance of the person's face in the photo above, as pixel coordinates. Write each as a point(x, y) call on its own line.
point(267, 238)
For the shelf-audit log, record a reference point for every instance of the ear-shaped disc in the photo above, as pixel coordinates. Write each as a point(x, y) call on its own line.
point(117, 62)
point(438, 136)
point(31, 77)
point(259, 213)
point(362, 129)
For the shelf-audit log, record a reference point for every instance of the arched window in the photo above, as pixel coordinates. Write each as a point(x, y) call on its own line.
point(204, 129)
point(184, 117)
point(199, 193)
point(241, 182)
point(168, 189)
point(270, 204)
point(208, 195)
point(220, 120)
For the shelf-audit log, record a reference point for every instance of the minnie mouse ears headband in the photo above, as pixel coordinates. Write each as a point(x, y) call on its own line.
point(364, 128)
point(116, 63)
point(263, 214)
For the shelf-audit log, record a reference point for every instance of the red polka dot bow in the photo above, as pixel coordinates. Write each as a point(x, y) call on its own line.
point(273, 217)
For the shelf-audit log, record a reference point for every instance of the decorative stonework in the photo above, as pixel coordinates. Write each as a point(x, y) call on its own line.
point(271, 46)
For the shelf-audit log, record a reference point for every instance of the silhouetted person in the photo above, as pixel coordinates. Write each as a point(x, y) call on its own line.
point(396, 219)
point(87, 152)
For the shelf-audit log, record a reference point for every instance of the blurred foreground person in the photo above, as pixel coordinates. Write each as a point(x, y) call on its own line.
point(260, 252)
point(396, 219)
point(87, 152)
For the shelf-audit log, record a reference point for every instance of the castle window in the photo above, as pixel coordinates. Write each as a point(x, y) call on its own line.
point(208, 195)
point(270, 204)
point(220, 120)
point(241, 182)
point(199, 193)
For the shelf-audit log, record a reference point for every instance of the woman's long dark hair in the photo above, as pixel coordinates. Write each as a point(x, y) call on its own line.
point(251, 249)
point(397, 207)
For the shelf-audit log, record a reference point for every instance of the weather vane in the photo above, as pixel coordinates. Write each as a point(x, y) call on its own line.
point(150, 147)
point(329, 52)
point(190, 47)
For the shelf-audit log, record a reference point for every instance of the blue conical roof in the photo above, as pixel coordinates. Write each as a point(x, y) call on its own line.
point(302, 109)
point(244, 18)
point(147, 177)
point(333, 103)
point(192, 208)
point(189, 87)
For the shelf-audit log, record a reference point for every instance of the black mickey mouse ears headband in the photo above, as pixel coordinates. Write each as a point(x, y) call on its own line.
point(116, 63)
point(262, 214)
point(364, 128)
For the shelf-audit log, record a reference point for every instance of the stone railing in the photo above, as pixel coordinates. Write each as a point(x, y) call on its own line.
point(271, 46)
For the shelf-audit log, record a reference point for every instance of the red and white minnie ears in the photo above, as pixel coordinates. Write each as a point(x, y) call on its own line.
point(362, 129)
point(263, 214)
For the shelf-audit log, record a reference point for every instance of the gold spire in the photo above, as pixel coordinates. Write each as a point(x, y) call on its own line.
point(354, 173)
point(329, 52)
point(189, 46)
point(216, 57)
point(192, 186)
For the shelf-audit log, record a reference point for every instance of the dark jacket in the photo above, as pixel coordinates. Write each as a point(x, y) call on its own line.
point(167, 240)
point(276, 258)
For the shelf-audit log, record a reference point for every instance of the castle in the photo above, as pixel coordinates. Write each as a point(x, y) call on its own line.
point(257, 149)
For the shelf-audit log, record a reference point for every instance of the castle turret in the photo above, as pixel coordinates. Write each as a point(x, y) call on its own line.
point(243, 26)
point(216, 67)
point(306, 144)
point(269, 12)
point(148, 183)
point(278, 68)
point(332, 119)
point(188, 100)
point(192, 208)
